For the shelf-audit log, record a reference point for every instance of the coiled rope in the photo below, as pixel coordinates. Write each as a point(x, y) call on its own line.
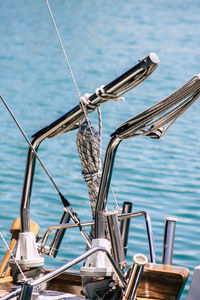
point(89, 148)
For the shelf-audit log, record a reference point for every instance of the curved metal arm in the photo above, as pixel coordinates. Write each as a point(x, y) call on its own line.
point(70, 264)
point(129, 80)
point(123, 216)
point(66, 122)
point(149, 121)
point(152, 118)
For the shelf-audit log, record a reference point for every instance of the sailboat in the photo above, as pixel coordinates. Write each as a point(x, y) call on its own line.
point(104, 273)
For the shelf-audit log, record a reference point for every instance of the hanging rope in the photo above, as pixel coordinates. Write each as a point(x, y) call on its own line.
point(89, 148)
point(89, 152)
point(88, 140)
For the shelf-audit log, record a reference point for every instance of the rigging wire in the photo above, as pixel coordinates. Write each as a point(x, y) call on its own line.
point(76, 86)
point(26, 138)
point(65, 202)
point(63, 49)
point(67, 61)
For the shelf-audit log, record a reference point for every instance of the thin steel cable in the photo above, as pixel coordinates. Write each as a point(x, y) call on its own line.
point(100, 133)
point(63, 49)
point(26, 138)
point(106, 96)
point(67, 60)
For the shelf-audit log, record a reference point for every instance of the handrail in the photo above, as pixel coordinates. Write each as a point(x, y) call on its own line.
point(147, 123)
point(68, 121)
point(70, 264)
point(90, 223)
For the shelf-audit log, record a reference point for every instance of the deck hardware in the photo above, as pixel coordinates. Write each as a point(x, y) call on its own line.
point(139, 262)
point(168, 242)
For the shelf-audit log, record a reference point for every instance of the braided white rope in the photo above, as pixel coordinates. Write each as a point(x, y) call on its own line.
point(105, 96)
point(89, 152)
point(91, 165)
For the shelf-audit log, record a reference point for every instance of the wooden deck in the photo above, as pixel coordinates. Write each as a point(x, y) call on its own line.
point(158, 282)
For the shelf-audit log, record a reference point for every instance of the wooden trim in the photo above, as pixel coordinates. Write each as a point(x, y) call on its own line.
point(68, 282)
point(15, 230)
point(162, 282)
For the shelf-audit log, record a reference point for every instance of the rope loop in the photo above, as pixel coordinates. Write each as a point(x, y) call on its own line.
point(102, 95)
point(85, 102)
point(90, 177)
point(105, 96)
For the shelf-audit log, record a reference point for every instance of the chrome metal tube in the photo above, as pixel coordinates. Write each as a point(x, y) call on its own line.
point(58, 236)
point(147, 123)
point(75, 261)
point(107, 174)
point(150, 237)
point(12, 294)
point(130, 79)
point(61, 226)
point(122, 217)
point(124, 225)
point(27, 187)
point(148, 228)
point(139, 262)
point(115, 239)
point(168, 242)
point(70, 264)
point(26, 292)
point(100, 224)
point(105, 181)
point(69, 121)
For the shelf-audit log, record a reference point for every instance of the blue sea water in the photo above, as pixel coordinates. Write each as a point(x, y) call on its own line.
point(102, 39)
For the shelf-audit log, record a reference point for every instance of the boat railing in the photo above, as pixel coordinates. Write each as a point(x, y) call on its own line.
point(28, 286)
point(68, 121)
point(148, 123)
point(47, 250)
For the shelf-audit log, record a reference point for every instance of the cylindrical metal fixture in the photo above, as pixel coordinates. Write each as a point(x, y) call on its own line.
point(150, 237)
point(69, 121)
point(68, 265)
point(58, 236)
point(26, 292)
point(139, 262)
point(168, 243)
point(124, 225)
point(100, 225)
point(115, 238)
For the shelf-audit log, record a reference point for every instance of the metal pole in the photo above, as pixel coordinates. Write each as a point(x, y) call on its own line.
point(168, 242)
point(72, 263)
point(115, 238)
point(124, 225)
point(69, 120)
point(26, 292)
point(58, 235)
point(139, 262)
point(68, 265)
